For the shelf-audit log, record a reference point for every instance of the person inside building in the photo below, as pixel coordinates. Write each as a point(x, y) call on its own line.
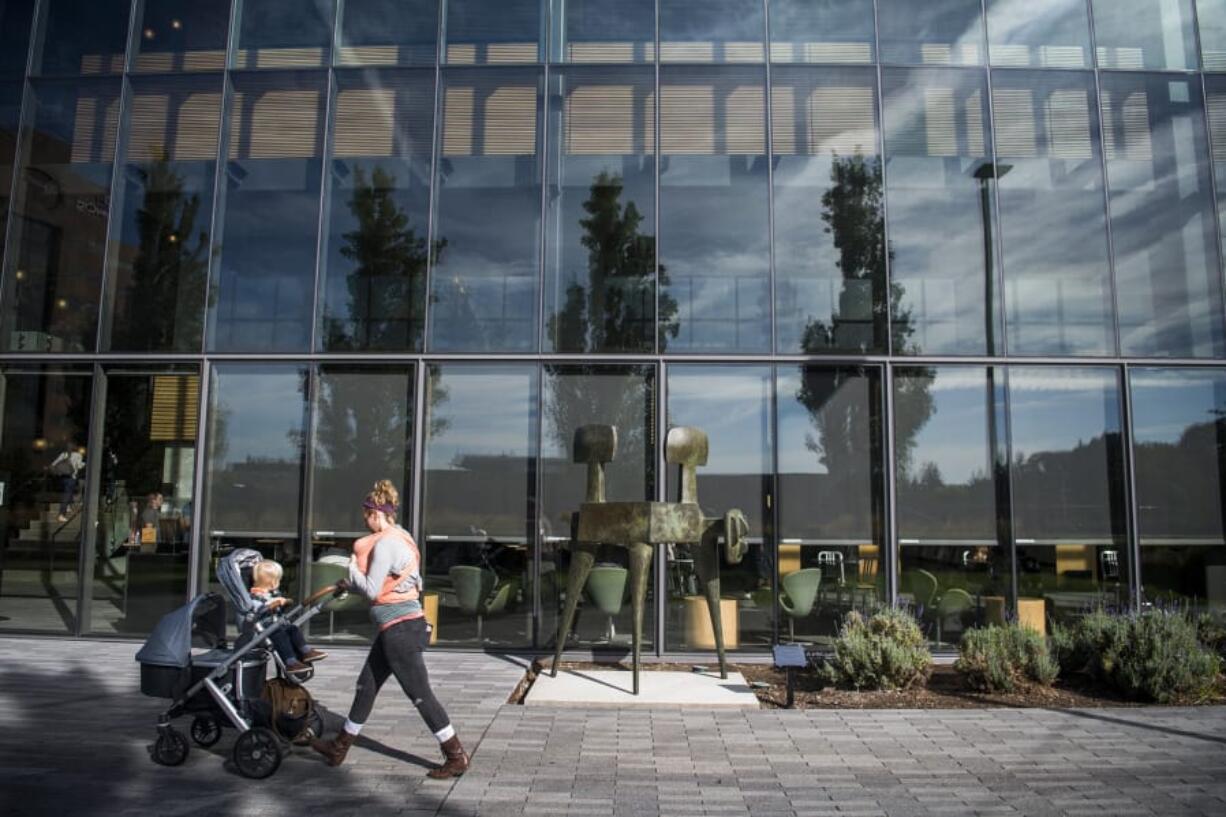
point(67, 466)
point(386, 568)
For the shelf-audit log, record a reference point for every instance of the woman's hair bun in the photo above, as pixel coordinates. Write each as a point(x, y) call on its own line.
point(385, 493)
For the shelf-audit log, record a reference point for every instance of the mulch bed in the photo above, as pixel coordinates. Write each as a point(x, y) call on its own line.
point(945, 689)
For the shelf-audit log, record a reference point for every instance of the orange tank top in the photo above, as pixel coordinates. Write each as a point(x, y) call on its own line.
point(362, 548)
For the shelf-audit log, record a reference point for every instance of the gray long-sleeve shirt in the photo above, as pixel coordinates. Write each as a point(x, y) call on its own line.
point(389, 556)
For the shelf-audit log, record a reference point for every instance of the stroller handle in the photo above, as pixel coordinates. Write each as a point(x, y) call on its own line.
point(330, 589)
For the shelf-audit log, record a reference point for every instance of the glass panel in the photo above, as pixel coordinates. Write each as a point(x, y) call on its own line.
point(934, 32)
point(487, 225)
point(830, 250)
point(488, 32)
point(158, 266)
point(269, 222)
point(822, 31)
point(1179, 438)
point(1211, 19)
point(181, 35)
point(732, 404)
point(1167, 271)
point(575, 396)
point(1215, 108)
point(82, 37)
point(1048, 33)
point(955, 571)
point(600, 293)
point(374, 287)
point(939, 190)
point(1069, 512)
point(16, 16)
point(363, 432)
point(256, 442)
point(10, 127)
point(1058, 298)
point(284, 33)
point(388, 32)
point(600, 31)
point(714, 226)
point(711, 31)
point(1138, 34)
point(146, 499)
point(63, 196)
point(479, 500)
point(43, 429)
point(831, 497)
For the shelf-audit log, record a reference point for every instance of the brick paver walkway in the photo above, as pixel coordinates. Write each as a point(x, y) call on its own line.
point(74, 730)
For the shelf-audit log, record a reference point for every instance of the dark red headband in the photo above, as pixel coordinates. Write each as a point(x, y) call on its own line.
point(371, 506)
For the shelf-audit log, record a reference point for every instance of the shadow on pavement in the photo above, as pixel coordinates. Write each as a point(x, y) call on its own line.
point(74, 742)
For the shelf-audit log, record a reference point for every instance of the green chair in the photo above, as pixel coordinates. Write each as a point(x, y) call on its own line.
point(799, 591)
point(954, 601)
point(326, 573)
point(474, 589)
point(606, 586)
point(922, 586)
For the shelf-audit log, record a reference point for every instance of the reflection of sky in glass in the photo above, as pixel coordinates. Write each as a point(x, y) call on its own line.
point(1056, 409)
point(711, 21)
point(262, 407)
point(731, 404)
point(955, 437)
point(1166, 402)
point(488, 412)
point(1038, 32)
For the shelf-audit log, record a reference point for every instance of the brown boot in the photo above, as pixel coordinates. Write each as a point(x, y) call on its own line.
point(336, 749)
point(456, 762)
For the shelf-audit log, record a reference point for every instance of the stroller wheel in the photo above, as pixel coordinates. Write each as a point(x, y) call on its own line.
point(205, 730)
point(170, 749)
point(257, 753)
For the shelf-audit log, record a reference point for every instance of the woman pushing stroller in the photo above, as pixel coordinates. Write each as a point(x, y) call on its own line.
point(386, 568)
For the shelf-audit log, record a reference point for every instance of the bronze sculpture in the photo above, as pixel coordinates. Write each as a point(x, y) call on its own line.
point(641, 526)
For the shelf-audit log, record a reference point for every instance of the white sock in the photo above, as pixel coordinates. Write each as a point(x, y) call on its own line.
point(352, 728)
point(445, 734)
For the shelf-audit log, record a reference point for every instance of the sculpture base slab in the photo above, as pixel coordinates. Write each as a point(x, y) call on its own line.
point(613, 689)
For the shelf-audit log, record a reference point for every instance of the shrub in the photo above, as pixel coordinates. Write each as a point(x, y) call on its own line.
point(998, 659)
point(1078, 646)
point(1153, 655)
point(885, 651)
point(1211, 632)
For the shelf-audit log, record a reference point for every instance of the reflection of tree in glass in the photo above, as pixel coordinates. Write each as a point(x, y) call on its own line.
point(853, 213)
point(385, 309)
point(166, 289)
point(363, 425)
point(614, 311)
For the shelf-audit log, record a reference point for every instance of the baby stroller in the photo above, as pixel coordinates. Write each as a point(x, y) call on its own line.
point(225, 686)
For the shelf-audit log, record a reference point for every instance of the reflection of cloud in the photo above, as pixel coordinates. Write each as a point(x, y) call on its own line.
point(263, 408)
point(1167, 401)
point(488, 413)
point(731, 405)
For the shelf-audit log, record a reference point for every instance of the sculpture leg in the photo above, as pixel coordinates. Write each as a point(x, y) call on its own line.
point(640, 570)
point(582, 557)
point(706, 565)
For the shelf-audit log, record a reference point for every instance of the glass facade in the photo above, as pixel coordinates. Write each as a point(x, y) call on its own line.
point(941, 281)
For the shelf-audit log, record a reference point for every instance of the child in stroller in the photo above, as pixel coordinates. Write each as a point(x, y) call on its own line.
point(228, 686)
point(288, 641)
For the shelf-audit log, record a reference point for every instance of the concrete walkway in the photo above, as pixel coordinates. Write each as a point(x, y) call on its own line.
point(74, 730)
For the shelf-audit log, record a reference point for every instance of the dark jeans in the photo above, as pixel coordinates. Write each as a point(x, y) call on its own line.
point(289, 643)
point(398, 651)
point(70, 491)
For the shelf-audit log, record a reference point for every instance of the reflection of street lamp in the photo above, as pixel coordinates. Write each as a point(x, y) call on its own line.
point(984, 173)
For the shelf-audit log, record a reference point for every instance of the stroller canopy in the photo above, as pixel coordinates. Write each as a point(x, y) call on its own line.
point(234, 575)
point(170, 643)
